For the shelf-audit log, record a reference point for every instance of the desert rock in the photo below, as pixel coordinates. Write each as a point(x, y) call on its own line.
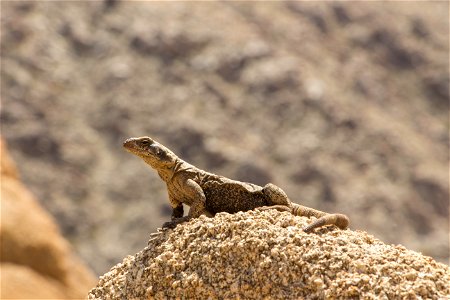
point(36, 261)
point(266, 255)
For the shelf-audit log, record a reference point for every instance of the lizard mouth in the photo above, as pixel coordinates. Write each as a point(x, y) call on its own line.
point(131, 146)
point(129, 143)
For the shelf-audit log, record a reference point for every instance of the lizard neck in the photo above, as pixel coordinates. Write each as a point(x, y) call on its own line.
point(168, 173)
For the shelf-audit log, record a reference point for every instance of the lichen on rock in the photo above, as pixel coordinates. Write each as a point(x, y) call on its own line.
point(267, 255)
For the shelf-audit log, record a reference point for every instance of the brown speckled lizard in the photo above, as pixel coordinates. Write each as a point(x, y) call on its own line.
point(208, 194)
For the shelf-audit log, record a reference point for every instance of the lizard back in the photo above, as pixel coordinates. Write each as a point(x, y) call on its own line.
point(226, 195)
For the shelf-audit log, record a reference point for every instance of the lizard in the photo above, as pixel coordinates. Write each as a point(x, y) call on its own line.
point(207, 193)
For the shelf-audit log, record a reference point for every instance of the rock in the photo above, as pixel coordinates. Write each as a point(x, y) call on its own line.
point(256, 255)
point(36, 261)
point(23, 282)
point(168, 44)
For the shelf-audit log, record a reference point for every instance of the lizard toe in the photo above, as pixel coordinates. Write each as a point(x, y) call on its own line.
point(169, 224)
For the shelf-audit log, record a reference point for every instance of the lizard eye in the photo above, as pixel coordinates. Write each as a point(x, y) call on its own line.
point(145, 143)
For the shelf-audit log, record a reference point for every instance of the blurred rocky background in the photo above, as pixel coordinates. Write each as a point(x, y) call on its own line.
point(36, 261)
point(343, 105)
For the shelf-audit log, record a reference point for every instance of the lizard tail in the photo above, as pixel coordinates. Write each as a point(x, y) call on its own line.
point(339, 220)
point(323, 218)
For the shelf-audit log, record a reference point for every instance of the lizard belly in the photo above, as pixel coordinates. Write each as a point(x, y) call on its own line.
point(232, 197)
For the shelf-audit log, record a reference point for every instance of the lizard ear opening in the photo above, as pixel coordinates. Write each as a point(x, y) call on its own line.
point(155, 149)
point(161, 153)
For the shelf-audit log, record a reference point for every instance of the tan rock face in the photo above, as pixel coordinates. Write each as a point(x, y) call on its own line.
point(22, 282)
point(36, 261)
point(259, 255)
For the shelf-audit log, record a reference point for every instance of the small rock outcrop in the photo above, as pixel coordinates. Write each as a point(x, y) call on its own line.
point(262, 255)
point(36, 261)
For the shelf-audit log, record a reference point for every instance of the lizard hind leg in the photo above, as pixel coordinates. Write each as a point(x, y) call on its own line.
point(277, 207)
point(276, 196)
point(276, 199)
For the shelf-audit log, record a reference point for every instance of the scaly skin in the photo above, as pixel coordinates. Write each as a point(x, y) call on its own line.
point(208, 194)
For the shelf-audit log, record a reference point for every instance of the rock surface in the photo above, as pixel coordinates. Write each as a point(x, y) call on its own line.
point(36, 261)
point(256, 255)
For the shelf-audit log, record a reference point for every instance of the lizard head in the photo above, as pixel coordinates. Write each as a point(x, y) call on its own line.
point(152, 152)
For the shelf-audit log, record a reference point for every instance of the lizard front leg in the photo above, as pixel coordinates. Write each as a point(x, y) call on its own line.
point(177, 212)
point(194, 197)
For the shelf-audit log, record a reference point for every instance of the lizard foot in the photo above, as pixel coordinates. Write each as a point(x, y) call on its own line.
point(277, 207)
point(172, 224)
